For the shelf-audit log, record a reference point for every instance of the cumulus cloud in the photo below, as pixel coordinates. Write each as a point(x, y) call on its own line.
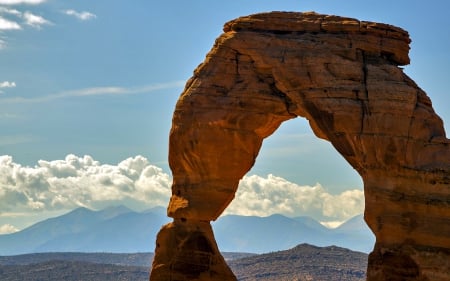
point(7, 228)
point(261, 196)
point(83, 16)
point(80, 181)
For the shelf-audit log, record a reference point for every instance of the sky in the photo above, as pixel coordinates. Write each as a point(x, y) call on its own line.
point(88, 88)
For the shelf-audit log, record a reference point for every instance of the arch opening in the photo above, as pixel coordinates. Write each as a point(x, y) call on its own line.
point(343, 76)
point(293, 192)
point(297, 174)
point(294, 153)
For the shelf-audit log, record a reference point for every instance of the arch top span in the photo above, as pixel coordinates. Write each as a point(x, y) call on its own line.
point(379, 38)
point(343, 76)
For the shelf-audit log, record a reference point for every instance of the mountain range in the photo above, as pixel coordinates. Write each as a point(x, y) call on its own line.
point(121, 230)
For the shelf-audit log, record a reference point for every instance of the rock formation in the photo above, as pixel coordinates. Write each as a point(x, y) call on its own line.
point(341, 74)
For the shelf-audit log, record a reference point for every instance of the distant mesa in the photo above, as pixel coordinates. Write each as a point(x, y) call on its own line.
point(303, 262)
point(342, 75)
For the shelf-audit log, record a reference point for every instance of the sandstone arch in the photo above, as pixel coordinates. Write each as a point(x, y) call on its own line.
point(343, 76)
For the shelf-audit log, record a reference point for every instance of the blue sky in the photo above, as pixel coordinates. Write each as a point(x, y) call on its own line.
point(101, 78)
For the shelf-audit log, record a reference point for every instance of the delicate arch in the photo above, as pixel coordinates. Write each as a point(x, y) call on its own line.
point(343, 76)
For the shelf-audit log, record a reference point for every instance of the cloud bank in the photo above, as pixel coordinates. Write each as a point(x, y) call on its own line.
point(80, 181)
point(135, 182)
point(259, 196)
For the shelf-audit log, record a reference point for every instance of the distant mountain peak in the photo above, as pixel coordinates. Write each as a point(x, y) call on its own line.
point(108, 212)
point(80, 210)
point(114, 211)
point(117, 208)
point(303, 246)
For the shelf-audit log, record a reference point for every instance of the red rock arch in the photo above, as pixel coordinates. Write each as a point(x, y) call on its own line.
point(343, 76)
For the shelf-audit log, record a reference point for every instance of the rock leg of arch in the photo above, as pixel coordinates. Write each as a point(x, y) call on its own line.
point(343, 76)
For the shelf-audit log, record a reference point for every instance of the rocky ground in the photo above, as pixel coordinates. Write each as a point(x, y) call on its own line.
point(303, 262)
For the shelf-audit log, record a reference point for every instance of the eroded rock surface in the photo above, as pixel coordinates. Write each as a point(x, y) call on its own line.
point(341, 74)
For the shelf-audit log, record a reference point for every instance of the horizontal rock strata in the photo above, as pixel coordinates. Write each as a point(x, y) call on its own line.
point(341, 74)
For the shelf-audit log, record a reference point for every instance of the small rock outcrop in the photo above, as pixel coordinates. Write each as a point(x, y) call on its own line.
point(341, 74)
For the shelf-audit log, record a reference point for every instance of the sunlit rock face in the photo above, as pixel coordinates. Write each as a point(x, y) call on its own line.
point(341, 74)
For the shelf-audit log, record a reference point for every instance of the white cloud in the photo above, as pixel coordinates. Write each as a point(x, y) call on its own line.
point(80, 15)
point(7, 228)
point(10, 11)
point(29, 18)
point(260, 196)
point(97, 91)
point(80, 181)
point(6, 24)
point(7, 84)
point(331, 224)
point(17, 2)
point(35, 20)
